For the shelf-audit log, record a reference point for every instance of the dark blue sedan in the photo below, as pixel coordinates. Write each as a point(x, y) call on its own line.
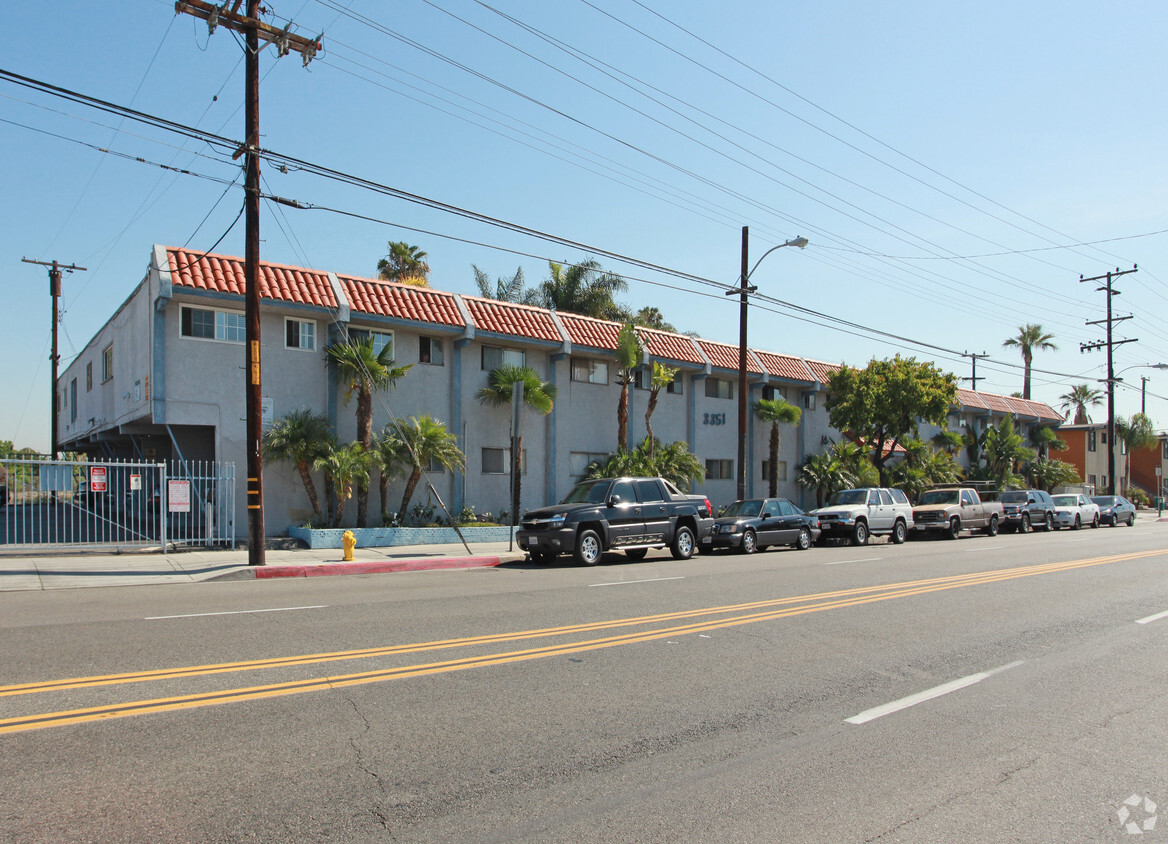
point(1115, 510)
point(757, 523)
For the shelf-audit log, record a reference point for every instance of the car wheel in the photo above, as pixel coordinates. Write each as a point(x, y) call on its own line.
point(1095, 522)
point(683, 544)
point(899, 533)
point(860, 534)
point(1078, 523)
point(1025, 527)
point(1048, 524)
point(992, 527)
point(1131, 522)
point(748, 540)
point(588, 548)
point(804, 540)
point(954, 528)
point(636, 553)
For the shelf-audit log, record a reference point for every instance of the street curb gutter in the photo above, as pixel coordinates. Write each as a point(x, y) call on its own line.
point(423, 564)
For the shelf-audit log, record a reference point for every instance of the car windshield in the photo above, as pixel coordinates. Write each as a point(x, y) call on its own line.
point(940, 496)
point(1013, 497)
point(1066, 500)
point(1104, 500)
point(744, 508)
point(592, 492)
point(848, 497)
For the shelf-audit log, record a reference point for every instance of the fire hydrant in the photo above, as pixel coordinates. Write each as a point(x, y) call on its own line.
point(349, 542)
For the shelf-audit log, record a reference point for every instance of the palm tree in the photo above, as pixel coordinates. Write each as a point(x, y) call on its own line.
point(537, 395)
point(1080, 397)
point(775, 411)
point(405, 264)
point(1004, 452)
point(300, 437)
point(662, 377)
point(629, 352)
point(584, 288)
point(825, 473)
point(418, 441)
point(651, 317)
point(674, 462)
point(507, 290)
point(1135, 433)
point(346, 465)
point(387, 454)
point(1030, 339)
point(362, 371)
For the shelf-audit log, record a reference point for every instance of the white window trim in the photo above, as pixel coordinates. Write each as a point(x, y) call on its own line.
point(215, 324)
point(300, 334)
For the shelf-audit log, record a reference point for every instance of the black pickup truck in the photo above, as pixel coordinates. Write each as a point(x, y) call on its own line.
point(626, 514)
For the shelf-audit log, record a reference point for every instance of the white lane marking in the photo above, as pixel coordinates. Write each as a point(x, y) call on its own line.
point(977, 550)
point(844, 562)
point(929, 694)
point(1152, 618)
point(626, 582)
point(235, 612)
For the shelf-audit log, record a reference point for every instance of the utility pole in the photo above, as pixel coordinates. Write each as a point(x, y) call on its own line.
point(743, 304)
point(1110, 344)
point(973, 379)
point(55, 292)
point(1144, 379)
point(253, 29)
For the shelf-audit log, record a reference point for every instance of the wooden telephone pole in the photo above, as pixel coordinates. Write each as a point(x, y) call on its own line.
point(54, 291)
point(253, 29)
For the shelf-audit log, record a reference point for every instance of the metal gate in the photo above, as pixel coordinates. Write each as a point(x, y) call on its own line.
point(102, 504)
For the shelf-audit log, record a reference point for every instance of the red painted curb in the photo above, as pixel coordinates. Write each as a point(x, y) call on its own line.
point(422, 564)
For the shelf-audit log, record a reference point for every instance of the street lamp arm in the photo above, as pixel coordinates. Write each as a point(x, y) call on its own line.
point(799, 241)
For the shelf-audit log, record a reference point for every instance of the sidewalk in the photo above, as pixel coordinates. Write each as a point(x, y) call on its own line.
point(73, 571)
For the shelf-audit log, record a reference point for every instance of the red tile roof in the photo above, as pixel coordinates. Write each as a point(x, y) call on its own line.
point(670, 346)
point(822, 371)
point(224, 274)
point(507, 318)
point(404, 301)
point(969, 398)
point(996, 403)
point(785, 366)
point(588, 331)
point(725, 356)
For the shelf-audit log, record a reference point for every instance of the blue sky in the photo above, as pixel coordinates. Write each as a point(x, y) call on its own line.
point(944, 161)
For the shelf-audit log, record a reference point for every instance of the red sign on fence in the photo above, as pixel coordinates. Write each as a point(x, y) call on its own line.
point(97, 478)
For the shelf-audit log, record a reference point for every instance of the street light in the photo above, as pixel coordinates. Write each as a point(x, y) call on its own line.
point(743, 291)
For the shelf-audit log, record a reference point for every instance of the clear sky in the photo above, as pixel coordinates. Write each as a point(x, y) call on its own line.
point(946, 161)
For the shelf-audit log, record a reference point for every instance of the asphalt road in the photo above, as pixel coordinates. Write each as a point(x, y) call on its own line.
point(1005, 689)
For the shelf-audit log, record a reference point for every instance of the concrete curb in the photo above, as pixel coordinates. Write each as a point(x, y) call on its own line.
point(381, 567)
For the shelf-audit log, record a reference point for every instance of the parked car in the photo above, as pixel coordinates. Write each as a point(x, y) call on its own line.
point(1114, 509)
point(1027, 509)
point(627, 514)
point(856, 514)
point(1073, 510)
point(951, 509)
point(757, 523)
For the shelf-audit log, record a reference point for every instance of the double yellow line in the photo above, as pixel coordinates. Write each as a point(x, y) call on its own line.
point(698, 620)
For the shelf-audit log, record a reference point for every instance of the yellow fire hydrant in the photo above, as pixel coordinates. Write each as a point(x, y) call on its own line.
point(349, 542)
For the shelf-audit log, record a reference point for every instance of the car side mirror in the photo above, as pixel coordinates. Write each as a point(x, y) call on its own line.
point(614, 500)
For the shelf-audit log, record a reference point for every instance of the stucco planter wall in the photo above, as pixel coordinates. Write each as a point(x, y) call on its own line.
point(384, 537)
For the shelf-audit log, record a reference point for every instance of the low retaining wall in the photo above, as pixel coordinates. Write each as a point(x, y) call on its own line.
point(387, 537)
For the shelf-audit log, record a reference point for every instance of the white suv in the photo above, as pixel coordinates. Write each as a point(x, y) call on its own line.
point(856, 514)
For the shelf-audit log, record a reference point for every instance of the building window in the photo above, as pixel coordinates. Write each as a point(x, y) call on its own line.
point(770, 392)
point(643, 380)
point(430, 351)
point(719, 388)
point(89, 376)
point(107, 363)
point(497, 461)
point(497, 356)
point(299, 334)
point(1091, 480)
point(1090, 440)
point(1164, 449)
point(579, 461)
point(719, 470)
point(381, 339)
point(206, 324)
point(766, 470)
point(73, 400)
point(809, 401)
point(434, 466)
point(590, 371)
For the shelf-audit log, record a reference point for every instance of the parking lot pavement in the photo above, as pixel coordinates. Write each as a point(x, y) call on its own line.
point(77, 570)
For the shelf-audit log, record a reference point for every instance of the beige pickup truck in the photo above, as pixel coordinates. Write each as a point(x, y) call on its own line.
point(950, 510)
